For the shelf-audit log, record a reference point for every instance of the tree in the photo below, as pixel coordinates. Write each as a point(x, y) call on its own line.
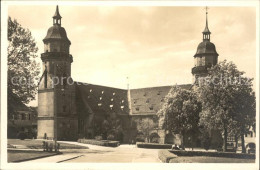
point(112, 127)
point(145, 126)
point(227, 100)
point(180, 112)
point(23, 70)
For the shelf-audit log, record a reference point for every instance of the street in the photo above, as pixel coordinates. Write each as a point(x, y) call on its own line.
point(96, 154)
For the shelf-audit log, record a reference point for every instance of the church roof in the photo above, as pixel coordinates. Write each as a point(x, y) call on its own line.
point(56, 32)
point(102, 99)
point(149, 100)
point(206, 47)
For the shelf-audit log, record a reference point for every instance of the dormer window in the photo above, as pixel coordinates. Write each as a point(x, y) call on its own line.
point(100, 98)
point(102, 92)
point(99, 104)
point(112, 99)
point(114, 93)
point(162, 100)
point(90, 90)
point(123, 101)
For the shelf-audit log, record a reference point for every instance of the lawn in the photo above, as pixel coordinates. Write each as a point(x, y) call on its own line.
point(37, 144)
point(207, 159)
point(23, 155)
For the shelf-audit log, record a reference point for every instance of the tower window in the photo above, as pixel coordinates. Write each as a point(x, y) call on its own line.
point(45, 79)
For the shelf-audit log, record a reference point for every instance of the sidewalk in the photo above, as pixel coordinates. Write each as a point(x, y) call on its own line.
point(56, 159)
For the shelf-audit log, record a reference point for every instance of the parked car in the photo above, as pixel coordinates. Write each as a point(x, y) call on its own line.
point(250, 148)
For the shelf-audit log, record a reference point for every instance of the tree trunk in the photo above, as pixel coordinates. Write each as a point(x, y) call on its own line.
point(225, 139)
point(243, 143)
point(183, 141)
point(236, 140)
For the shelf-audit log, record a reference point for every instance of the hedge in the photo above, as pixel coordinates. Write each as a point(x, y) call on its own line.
point(100, 142)
point(213, 154)
point(165, 156)
point(153, 145)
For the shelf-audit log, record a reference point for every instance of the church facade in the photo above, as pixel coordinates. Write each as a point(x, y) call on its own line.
point(69, 111)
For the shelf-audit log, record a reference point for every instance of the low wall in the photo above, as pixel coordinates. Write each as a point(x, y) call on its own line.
point(213, 154)
point(100, 142)
point(153, 145)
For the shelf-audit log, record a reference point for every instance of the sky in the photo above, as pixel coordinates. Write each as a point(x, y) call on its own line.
point(152, 45)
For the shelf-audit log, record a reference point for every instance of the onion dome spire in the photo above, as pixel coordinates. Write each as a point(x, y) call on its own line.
point(57, 17)
point(206, 33)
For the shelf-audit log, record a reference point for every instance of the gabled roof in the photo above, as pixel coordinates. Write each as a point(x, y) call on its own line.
point(104, 100)
point(149, 100)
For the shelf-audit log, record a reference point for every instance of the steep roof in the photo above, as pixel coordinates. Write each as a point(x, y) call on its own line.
point(104, 100)
point(56, 32)
point(146, 101)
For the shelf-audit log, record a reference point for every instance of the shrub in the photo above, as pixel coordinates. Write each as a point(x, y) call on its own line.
point(111, 137)
point(22, 135)
point(140, 139)
point(153, 145)
point(98, 137)
point(100, 142)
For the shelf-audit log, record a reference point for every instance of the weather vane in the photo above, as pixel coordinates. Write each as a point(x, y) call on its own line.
point(206, 8)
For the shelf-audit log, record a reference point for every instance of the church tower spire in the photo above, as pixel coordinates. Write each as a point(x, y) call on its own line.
point(206, 33)
point(56, 17)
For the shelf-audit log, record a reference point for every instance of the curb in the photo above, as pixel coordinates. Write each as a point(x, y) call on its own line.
point(39, 157)
point(165, 156)
point(70, 159)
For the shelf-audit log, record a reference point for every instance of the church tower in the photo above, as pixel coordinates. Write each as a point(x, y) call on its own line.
point(57, 117)
point(206, 55)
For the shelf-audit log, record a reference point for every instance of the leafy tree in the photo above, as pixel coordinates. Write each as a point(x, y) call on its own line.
point(228, 100)
point(180, 112)
point(23, 70)
point(145, 126)
point(112, 127)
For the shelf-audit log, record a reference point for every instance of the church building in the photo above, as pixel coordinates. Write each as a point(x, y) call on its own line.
point(69, 111)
